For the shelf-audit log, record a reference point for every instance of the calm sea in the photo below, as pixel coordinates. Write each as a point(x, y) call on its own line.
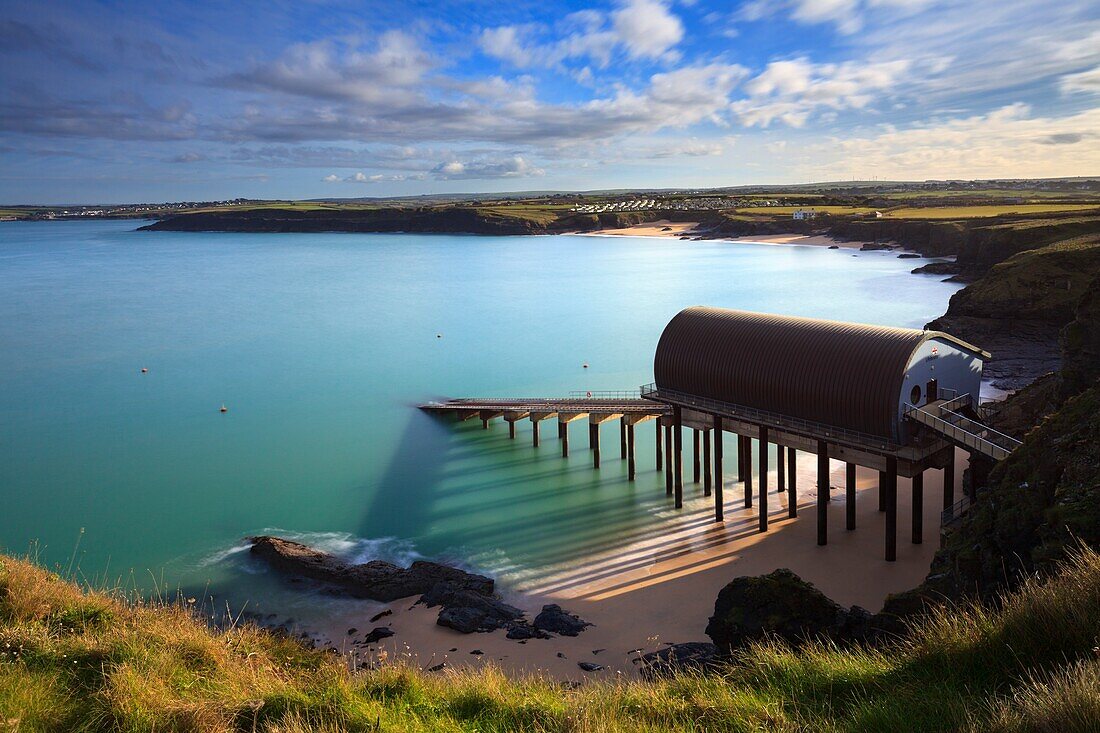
point(320, 346)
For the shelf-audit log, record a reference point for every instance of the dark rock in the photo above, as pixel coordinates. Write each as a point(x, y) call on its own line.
point(834, 246)
point(469, 611)
point(476, 652)
point(693, 655)
point(377, 580)
point(561, 656)
point(777, 604)
point(590, 666)
point(937, 268)
point(352, 631)
point(377, 634)
point(555, 620)
point(597, 651)
point(462, 619)
point(909, 256)
point(438, 667)
point(382, 614)
point(524, 630)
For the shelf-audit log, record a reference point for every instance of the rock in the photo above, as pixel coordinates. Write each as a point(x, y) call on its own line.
point(438, 667)
point(468, 611)
point(477, 652)
point(597, 651)
point(777, 604)
point(383, 614)
point(524, 630)
point(377, 634)
point(377, 580)
point(693, 655)
point(936, 268)
point(909, 256)
point(555, 620)
point(590, 666)
point(561, 656)
point(352, 631)
point(834, 246)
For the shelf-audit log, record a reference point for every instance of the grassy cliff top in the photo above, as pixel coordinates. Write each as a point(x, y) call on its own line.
point(72, 660)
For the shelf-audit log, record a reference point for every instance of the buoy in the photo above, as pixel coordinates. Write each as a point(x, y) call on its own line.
point(144, 370)
point(223, 408)
point(439, 335)
point(586, 365)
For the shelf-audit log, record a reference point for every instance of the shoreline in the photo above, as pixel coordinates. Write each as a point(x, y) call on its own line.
point(666, 229)
point(658, 589)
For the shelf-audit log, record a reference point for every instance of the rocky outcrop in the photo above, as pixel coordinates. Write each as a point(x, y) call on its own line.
point(782, 605)
point(376, 580)
point(691, 656)
point(1080, 344)
point(554, 620)
point(469, 611)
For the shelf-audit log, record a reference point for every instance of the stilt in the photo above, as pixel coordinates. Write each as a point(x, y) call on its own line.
point(891, 508)
point(849, 496)
point(657, 435)
point(792, 491)
point(695, 456)
point(746, 461)
point(918, 508)
point(707, 478)
point(535, 432)
point(630, 452)
point(668, 460)
point(780, 470)
point(763, 479)
point(563, 428)
point(622, 437)
point(882, 491)
point(594, 441)
point(511, 429)
point(741, 458)
point(718, 506)
point(484, 424)
point(949, 481)
point(678, 447)
point(822, 492)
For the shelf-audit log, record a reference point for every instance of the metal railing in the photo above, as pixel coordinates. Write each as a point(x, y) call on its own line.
point(622, 394)
point(987, 433)
point(954, 513)
point(808, 428)
point(962, 436)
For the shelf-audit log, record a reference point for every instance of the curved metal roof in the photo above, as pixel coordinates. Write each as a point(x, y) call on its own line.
point(848, 375)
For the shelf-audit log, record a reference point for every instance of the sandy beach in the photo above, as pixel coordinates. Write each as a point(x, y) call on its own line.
point(669, 229)
point(660, 588)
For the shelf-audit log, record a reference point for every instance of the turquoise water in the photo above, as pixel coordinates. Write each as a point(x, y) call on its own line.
point(320, 346)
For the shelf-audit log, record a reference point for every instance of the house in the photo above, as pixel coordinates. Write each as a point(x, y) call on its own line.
point(802, 214)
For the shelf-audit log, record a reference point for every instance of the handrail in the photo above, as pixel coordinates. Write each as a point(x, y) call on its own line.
point(605, 394)
point(966, 437)
point(954, 513)
point(1012, 442)
point(755, 415)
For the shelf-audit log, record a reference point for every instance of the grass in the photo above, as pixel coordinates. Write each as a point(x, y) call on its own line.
point(971, 212)
point(72, 660)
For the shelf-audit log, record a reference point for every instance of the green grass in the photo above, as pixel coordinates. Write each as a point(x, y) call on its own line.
point(91, 661)
point(971, 212)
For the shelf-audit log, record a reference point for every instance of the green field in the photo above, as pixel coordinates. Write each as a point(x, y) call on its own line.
point(970, 212)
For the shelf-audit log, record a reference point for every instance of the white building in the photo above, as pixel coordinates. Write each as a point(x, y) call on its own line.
point(804, 214)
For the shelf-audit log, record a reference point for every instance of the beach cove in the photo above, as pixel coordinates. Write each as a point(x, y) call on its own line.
point(320, 346)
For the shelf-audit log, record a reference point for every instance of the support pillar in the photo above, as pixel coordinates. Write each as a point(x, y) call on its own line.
point(718, 506)
point(563, 429)
point(707, 478)
point(660, 452)
point(678, 447)
point(882, 479)
point(535, 432)
point(949, 481)
point(780, 470)
point(763, 479)
point(622, 437)
point(511, 429)
point(668, 460)
point(822, 492)
point(746, 461)
point(594, 442)
point(630, 452)
point(741, 458)
point(918, 508)
point(484, 424)
point(792, 491)
point(695, 456)
point(849, 496)
point(891, 508)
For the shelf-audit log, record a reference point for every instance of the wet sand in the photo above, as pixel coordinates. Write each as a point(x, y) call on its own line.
point(660, 588)
point(668, 229)
point(659, 228)
point(816, 240)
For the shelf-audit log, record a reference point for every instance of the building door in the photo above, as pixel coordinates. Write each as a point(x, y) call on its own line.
point(931, 391)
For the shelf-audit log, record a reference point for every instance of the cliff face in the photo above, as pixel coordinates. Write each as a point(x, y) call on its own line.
point(1017, 310)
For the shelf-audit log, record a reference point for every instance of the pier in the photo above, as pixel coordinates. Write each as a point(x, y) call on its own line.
point(897, 401)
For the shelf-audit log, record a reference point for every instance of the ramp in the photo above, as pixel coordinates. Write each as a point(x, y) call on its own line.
point(943, 418)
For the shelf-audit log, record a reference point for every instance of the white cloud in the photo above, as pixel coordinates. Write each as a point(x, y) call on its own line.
point(514, 167)
point(331, 178)
point(643, 29)
point(1085, 81)
point(790, 91)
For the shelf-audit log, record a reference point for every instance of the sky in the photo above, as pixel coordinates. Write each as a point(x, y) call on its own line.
point(114, 102)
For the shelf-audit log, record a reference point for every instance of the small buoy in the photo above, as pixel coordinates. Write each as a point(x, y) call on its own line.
point(585, 365)
point(439, 335)
point(223, 408)
point(144, 370)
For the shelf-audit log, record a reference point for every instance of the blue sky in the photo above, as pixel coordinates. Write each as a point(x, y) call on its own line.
point(106, 102)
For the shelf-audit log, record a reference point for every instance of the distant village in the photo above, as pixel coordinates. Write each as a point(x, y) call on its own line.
point(705, 203)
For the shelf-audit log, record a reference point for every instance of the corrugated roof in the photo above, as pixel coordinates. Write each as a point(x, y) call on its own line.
point(848, 375)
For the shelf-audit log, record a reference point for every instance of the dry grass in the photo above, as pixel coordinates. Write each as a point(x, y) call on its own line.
point(76, 661)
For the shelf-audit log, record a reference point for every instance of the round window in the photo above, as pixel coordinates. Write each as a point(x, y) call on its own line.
point(914, 396)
